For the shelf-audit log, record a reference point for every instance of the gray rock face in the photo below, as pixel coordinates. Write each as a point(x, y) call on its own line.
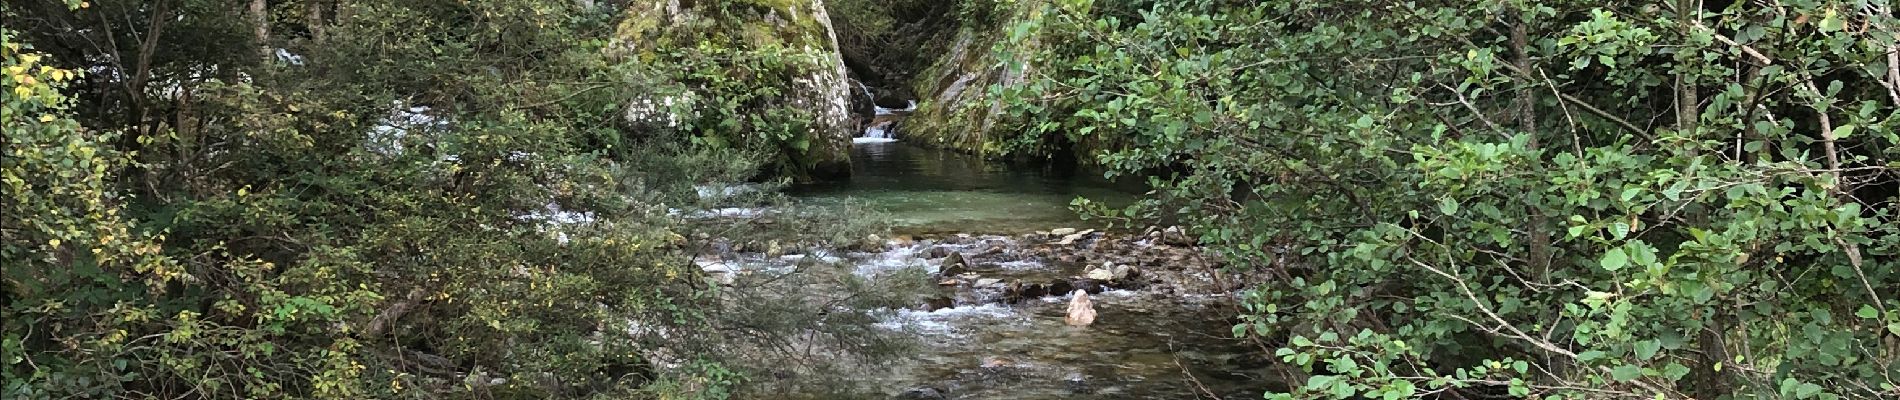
point(741, 29)
point(953, 110)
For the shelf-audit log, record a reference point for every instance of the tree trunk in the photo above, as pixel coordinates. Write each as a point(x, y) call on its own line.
point(1526, 100)
point(313, 18)
point(260, 20)
point(1688, 102)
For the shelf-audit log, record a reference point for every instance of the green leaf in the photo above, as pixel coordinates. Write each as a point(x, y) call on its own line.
point(1320, 382)
point(1625, 373)
point(1302, 341)
point(1448, 206)
point(1867, 312)
point(1675, 371)
point(1806, 390)
point(1844, 131)
point(1831, 21)
point(1647, 348)
point(1615, 259)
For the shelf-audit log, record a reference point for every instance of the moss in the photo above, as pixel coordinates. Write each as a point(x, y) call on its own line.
point(954, 113)
point(766, 65)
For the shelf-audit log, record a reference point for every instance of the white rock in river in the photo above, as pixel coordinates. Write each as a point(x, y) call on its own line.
point(1081, 311)
point(1062, 231)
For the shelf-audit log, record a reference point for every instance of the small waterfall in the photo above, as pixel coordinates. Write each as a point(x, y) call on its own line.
point(883, 120)
point(867, 91)
point(879, 130)
point(894, 111)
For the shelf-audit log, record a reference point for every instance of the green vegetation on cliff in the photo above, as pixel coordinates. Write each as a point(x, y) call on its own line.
point(747, 74)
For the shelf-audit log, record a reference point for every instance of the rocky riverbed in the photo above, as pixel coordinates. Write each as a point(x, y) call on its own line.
point(993, 327)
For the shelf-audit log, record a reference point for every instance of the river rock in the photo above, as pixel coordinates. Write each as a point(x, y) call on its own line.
point(1071, 238)
point(1175, 236)
point(1059, 286)
point(1077, 383)
point(1125, 272)
point(1088, 285)
point(923, 393)
point(953, 265)
point(1030, 291)
point(1112, 272)
point(939, 303)
point(989, 282)
point(993, 251)
point(939, 252)
point(1081, 311)
point(1062, 231)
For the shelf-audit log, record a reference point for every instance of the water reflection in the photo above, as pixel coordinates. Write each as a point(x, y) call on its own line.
point(935, 190)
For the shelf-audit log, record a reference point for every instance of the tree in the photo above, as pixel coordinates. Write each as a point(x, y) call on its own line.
point(396, 200)
point(1491, 197)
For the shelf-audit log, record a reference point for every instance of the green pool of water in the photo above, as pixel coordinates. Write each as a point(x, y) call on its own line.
point(927, 190)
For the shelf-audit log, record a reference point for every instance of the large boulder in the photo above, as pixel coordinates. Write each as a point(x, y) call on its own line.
point(759, 74)
point(952, 110)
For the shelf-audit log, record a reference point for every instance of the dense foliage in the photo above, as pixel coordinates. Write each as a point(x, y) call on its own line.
point(371, 199)
point(1546, 199)
point(763, 76)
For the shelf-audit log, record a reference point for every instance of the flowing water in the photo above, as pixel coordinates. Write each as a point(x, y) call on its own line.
point(1151, 341)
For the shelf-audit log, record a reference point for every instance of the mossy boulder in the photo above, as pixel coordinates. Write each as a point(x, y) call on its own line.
point(754, 74)
point(953, 111)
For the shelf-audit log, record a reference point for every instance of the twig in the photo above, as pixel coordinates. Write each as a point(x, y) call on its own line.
point(1190, 374)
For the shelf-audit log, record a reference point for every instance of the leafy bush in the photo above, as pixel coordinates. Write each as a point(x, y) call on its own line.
point(1542, 199)
point(362, 200)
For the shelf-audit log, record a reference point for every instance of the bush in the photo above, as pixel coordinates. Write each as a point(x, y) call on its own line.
point(1524, 198)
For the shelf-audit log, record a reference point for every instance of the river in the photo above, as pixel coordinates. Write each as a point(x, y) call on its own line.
point(1161, 333)
point(929, 190)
